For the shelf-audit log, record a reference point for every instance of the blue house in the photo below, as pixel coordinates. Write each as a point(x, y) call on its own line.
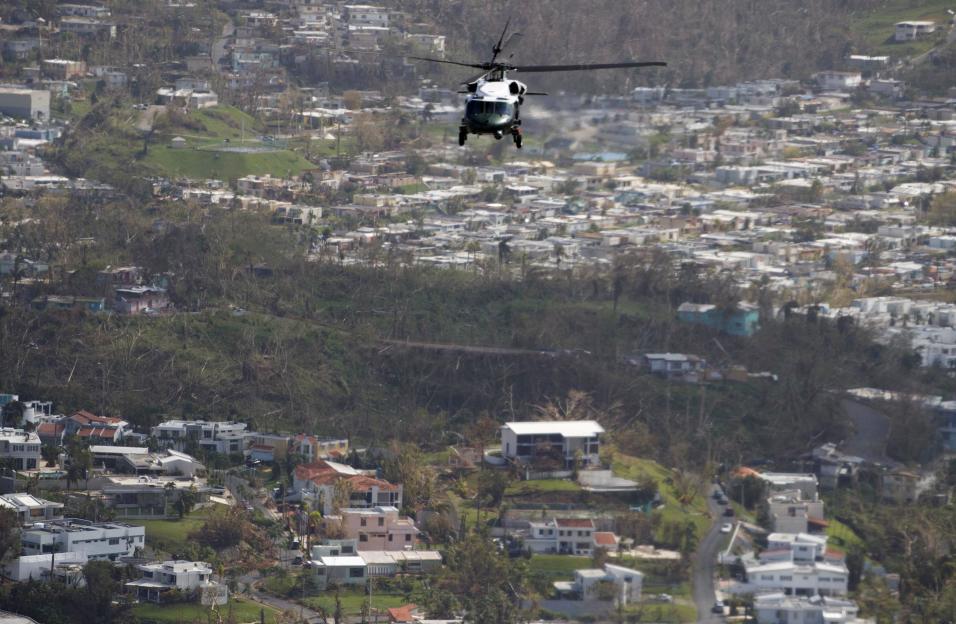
point(741, 322)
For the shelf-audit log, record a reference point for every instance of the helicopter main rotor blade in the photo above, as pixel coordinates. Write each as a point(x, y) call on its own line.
point(495, 51)
point(433, 60)
point(559, 68)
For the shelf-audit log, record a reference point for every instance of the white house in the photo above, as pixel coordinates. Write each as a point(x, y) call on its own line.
point(391, 562)
point(673, 365)
point(185, 576)
point(525, 441)
point(627, 583)
point(217, 436)
point(30, 509)
point(908, 31)
point(37, 567)
point(105, 541)
point(798, 579)
point(791, 513)
point(21, 448)
point(572, 536)
point(802, 547)
point(837, 80)
point(779, 608)
point(343, 570)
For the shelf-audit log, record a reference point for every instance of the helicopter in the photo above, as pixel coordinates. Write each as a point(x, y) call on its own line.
point(494, 100)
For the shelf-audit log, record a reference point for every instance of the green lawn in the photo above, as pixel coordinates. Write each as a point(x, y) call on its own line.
point(352, 601)
point(202, 164)
point(527, 488)
point(672, 511)
point(170, 535)
point(658, 612)
point(243, 611)
point(841, 536)
point(875, 28)
point(557, 567)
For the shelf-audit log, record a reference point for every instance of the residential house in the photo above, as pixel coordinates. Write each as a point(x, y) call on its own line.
point(267, 447)
point(392, 562)
point(105, 541)
point(742, 321)
point(379, 528)
point(342, 570)
point(96, 429)
point(802, 547)
point(37, 567)
point(798, 579)
point(625, 584)
point(565, 442)
point(791, 513)
point(159, 579)
point(20, 449)
point(223, 437)
point(51, 432)
point(779, 608)
point(675, 365)
point(149, 497)
point(30, 509)
point(571, 536)
point(317, 482)
point(314, 448)
point(910, 30)
point(140, 300)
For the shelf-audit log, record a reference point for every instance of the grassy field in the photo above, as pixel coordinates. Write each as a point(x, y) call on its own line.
point(841, 536)
point(243, 611)
point(202, 164)
point(352, 601)
point(557, 567)
point(673, 510)
point(543, 486)
point(874, 30)
point(171, 535)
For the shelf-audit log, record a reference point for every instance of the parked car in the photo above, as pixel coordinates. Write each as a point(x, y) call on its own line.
point(718, 607)
point(726, 527)
point(729, 512)
point(721, 501)
point(297, 561)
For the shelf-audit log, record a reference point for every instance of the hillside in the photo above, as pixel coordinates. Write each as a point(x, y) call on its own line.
point(107, 144)
point(704, 43)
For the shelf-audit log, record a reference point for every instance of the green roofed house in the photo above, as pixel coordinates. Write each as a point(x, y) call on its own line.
point(740, 322)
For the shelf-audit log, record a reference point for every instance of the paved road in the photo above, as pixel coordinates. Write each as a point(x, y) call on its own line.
point(219, 45)
point(705, 564)
point(249, 582)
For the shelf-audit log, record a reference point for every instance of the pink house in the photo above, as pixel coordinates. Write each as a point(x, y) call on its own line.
point(379, 528)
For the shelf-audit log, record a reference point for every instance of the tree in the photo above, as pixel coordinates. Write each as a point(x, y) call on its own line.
point(9, 535)
point(186, 501)
point(486, 584)
point(492, 485)
point(352, 100)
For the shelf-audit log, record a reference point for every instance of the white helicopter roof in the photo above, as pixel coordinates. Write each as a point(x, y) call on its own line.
point(495, 89)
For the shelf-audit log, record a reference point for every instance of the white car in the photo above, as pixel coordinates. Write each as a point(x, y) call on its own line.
point(726, 527)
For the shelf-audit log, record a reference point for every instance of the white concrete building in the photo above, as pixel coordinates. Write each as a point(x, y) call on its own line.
point(791, 513)
point(779, 608)
point(626, 582)
point(911, 30)
point(20, 448)
point(30, 509)
point(37, 567)
point(343, 570)
point(524, 441)
point(570, 536)
point(218, 436)
point(798, 579)
point(25, 103)
point(802, 547)
point(185, 576)
point(106, 540)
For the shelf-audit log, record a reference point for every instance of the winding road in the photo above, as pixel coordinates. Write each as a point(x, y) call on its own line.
point(705, 564)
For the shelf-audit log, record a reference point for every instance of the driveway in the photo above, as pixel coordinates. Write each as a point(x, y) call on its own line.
point(705, 564)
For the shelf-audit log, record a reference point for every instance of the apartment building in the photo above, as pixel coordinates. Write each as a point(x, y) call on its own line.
point(19, 448)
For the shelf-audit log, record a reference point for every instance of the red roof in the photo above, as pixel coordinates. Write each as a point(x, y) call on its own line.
point(575, 523)
point(605, 538)
point(402, 613)
point(86, 418)
point(820, 522)
point(96, 432)
point(321, 473)
point(50, 429)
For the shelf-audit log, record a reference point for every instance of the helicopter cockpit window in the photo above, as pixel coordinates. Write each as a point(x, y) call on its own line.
point(488, 112)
